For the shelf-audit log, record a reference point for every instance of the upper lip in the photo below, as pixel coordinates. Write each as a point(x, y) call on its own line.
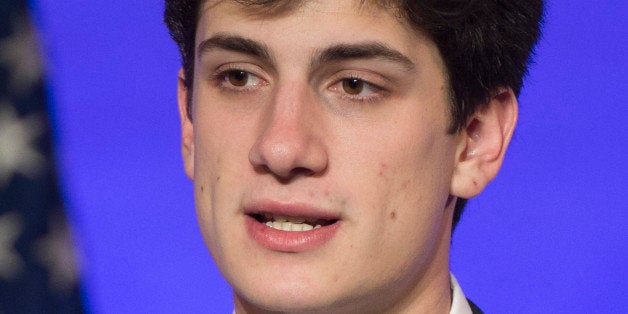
point(301, 210)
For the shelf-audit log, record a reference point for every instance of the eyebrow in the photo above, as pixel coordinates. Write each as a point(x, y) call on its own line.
point(339, 52)
point(367, 50)
point(235, 43)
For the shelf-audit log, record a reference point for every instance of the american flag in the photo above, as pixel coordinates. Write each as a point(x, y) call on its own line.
point(38, 268)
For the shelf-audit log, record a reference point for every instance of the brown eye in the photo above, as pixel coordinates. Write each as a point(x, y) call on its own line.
point(237, 78)
point(353, 86)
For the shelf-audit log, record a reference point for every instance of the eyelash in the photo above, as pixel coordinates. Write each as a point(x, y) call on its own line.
point(220, 78)
point(221, 81)
point(377, 90)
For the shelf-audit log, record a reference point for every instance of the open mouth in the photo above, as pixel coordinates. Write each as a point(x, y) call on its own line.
point(288, 223)
point(290, 228)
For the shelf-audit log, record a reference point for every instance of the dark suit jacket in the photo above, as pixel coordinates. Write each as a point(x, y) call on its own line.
point(474, 308)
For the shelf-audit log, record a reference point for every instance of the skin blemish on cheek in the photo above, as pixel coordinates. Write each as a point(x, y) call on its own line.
point(202, 188)
point(405, 184)
point(393, 215)
point(382, 169)
point(217, 178)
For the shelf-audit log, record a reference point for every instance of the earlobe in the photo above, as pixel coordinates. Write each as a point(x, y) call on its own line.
point(187, 127)
point(483, 144)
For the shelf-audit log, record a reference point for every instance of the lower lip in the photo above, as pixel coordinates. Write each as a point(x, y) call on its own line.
point(289, 241)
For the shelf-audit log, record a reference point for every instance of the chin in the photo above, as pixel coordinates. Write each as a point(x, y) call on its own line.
point(281, 300)
point(290, 297)
point(296, 295)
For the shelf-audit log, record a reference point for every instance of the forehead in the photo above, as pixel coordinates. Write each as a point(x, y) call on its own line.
point(278, 7)
point(272, 9)
point(334, 19)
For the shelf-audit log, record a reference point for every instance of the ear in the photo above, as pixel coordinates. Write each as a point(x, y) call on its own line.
point(187, 127)
point(482, 144)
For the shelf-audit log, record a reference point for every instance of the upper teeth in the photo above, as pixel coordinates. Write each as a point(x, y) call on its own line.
point(290, 224)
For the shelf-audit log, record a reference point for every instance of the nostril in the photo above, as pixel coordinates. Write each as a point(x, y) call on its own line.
point(302, 171)
point(288, 174)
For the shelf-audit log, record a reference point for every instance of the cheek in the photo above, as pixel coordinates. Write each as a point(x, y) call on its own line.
point(219, 167)
point(412, 210)
point(422, 178)
point(414, 178)
point(222, 141)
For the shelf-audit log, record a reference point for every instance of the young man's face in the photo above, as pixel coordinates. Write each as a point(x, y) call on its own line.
point(332, 116)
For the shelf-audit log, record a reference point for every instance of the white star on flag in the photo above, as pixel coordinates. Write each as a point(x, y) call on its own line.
point(56, 252)
point(18, 154)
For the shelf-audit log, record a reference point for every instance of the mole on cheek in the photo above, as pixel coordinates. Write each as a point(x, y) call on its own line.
point(202, 188)
point(217, 178)
point(393, 215)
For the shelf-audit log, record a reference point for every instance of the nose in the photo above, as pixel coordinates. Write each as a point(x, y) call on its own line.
point(290, 141)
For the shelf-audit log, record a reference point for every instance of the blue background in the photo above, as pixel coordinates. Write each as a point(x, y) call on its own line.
point(547, 236)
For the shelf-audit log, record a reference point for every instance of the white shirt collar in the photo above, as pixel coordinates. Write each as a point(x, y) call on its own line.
point(459, 303)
